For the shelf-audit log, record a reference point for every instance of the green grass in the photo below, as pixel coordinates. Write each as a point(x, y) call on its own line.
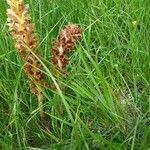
point(107, 96)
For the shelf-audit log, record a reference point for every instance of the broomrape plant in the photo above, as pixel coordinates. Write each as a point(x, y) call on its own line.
point(66, 41)
point(22, 31)
point(26, 42)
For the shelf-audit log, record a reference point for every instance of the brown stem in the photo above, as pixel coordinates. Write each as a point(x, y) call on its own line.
point(40, 104)
point(44, 121)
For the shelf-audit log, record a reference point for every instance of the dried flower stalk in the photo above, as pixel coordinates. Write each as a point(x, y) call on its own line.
point(26, 43)
point(66, 42)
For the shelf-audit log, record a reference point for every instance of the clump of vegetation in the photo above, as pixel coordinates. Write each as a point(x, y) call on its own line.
point(96, 97)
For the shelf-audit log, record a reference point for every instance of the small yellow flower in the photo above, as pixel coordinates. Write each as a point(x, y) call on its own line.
point(134, 22)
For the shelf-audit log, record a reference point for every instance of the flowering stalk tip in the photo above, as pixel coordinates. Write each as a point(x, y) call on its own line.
point(65, 42)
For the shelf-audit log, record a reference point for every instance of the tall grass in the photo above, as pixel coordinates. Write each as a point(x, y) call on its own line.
point(107, 96)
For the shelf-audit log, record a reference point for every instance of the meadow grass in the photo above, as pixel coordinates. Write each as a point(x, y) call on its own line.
point(107, 96)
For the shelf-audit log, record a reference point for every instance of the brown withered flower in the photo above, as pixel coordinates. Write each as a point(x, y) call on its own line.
point(65, 42)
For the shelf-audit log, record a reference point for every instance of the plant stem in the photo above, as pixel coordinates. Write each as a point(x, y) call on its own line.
point(40, 104)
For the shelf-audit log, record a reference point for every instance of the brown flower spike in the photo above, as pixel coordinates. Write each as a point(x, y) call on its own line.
point(26, 43)
point(66, 41)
